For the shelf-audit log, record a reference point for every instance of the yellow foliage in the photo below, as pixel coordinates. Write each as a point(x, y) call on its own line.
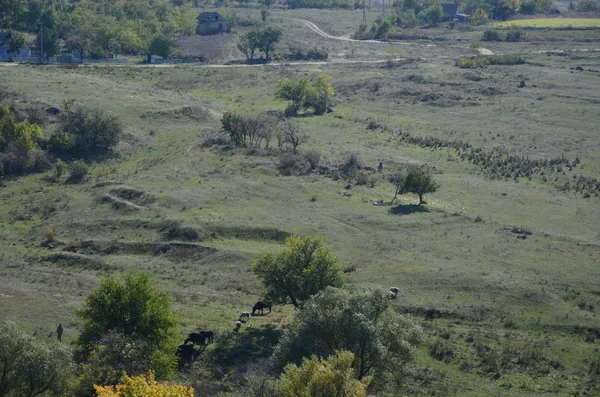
point(323, 378)
point(143, 386)
point(23, 135)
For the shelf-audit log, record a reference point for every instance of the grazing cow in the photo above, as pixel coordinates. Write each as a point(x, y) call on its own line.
point(393, 292)
point(238, 325)
point(260, 306)
point(196, 339)
point(187, 355)
point(245, 315)
point(208, 335)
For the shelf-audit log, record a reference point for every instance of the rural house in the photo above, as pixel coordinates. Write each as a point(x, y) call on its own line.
point(211, 23)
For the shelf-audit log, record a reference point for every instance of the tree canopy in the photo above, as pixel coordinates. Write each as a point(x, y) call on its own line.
point(303, 94)
point(417, 180)
point(133, 307)
point(299, 270)
point(362, 322)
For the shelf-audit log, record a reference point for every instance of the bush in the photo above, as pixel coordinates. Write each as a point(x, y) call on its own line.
point(174, 230)
point(313, 157)
point(513, 35)
point(78, 171)
point(144, 385)
point(480, 17)
point(353, 161)
point(292, 164)
point(491, 35)
point(17, 163)
point(482, 61)
point(86, 134)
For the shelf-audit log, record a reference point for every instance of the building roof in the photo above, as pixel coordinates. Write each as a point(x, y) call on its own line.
point(450, 9)
point(210, 17)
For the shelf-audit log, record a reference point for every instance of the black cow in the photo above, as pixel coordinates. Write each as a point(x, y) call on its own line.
point(187, 354)
point(260, 306)
point(196, 339)
point(208, 335)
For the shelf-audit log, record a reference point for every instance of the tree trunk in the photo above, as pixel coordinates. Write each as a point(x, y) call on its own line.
point(420, 198)
point(395, 195)
point(294, 301)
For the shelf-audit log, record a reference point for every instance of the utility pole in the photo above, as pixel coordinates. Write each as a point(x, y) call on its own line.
point(383, 8)
point(364, 13)
point(41, 43)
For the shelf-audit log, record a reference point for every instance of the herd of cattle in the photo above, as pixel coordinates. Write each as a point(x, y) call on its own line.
point(187, 352)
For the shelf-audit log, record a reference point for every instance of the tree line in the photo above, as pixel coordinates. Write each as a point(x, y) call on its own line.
point(97, 28)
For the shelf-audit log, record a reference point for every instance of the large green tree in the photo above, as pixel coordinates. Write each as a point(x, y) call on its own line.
point(299, 270)
point(362, 322)
point(131, 306)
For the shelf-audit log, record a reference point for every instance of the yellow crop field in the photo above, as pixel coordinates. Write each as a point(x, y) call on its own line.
point(553, 23)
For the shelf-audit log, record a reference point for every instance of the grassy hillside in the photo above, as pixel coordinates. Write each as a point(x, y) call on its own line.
point(501, 271)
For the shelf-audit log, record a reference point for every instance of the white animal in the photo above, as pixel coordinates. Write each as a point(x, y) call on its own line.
point(393, 292)
point(238, 325)
point(245, 315)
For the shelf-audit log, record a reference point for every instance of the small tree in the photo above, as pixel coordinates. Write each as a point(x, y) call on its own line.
point(480, 17)
point(362, 322)
point(22, 136)
point(16, 41)
point(294, 136)
point(323, 91)
point(248, 43)
point(133, 307)
point(163, 46)
point(398, 179)
point(420, 181)
point(302, 268)
point(434, 14)
point(317, 377)
point(267, 39)
point(298, 92)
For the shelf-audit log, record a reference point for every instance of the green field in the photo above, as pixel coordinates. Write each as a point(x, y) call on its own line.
point(495, 265)
point(552, 23)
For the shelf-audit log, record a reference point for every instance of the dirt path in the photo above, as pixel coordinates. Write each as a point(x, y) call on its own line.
point(346, 37)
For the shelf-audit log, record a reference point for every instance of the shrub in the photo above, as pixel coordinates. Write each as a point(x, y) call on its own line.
point(15, 162)
point(480, 17)
point(481, 61)
point(292, 164)
point(491, 35)
point(143, 385)
point(59, 168)
point(353, 161)
point(313, 157)
point(513, 35)
point(86, 134)
point(78, 171)
point(174, 230)
point(363, 178)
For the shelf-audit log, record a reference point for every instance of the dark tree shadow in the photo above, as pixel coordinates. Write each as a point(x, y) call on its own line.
point(240, 348)
point(407, 209)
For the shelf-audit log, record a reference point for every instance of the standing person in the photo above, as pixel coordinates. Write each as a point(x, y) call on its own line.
point(59, 332)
